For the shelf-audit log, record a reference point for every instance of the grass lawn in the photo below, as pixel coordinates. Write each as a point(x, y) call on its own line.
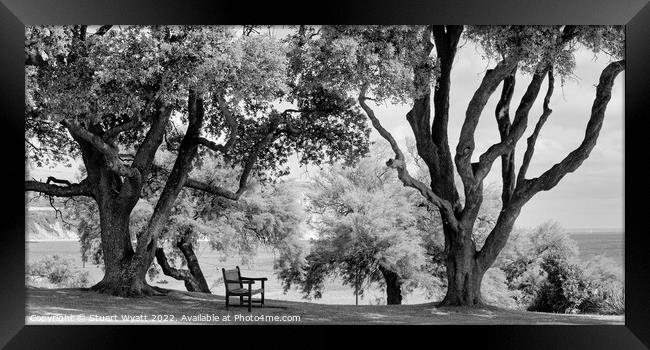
point(73, 306)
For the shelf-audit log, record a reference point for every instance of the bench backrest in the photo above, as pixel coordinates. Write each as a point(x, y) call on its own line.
point(232, 275)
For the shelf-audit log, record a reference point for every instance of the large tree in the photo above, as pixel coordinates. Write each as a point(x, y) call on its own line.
point(112, 95)
point(413, 65)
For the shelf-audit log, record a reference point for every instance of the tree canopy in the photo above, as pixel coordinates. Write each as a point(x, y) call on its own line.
point(112, 96)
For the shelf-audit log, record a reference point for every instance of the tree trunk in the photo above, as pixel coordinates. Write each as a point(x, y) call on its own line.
point(193, 277)
point(119, 277)
point(393, 286)
point(193, 264)
point(464, 274)
point(192, 282)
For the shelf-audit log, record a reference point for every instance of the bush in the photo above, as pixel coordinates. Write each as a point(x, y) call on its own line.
point(542, 266)
point(574, 288)
point(494, 290)
point(613, 301)
point(607, 278)
point(566, 289)
point(57, 271)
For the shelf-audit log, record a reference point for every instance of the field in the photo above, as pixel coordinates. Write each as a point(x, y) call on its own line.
point(609, 244)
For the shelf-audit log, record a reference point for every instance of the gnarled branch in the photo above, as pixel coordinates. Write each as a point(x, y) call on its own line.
point(178, 274)
point(532, 139)
point(526, 189)
point(573, 160)
point(399, 164)
point(465, 147)
point(213, 189)
point(111, 133)
point(211, 145)
point(502, 114)
point(377, 125)
point(109, 151)
point(143, 158)
point(518, 127)
point(103, 29)
point(82, 188)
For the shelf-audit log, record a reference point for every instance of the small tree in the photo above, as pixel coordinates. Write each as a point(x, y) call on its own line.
point(367, 232)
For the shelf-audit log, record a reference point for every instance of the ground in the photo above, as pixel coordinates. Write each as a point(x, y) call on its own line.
point(74, 306)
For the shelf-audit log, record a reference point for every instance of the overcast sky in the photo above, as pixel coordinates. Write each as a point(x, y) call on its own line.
point(591, 197)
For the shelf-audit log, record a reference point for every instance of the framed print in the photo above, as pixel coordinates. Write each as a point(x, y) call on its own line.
point(467, 173)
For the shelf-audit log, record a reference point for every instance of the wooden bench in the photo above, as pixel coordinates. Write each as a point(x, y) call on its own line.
point(234, 283)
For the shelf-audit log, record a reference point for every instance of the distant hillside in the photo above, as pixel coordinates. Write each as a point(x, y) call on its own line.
point(41, 225)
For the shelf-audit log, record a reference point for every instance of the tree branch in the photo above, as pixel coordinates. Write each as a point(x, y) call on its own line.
point(175, 181)
point(211, 145)
point(573, 160)
point(502, 114)
point(526, 189)
point(419, 116)
point(110, 152)
point(111, 133)
point(212, 189)
point(399, 164)
point(230, 120)
point(473, 175)
point(465, 148)
point(82, 188)
point(178, 274)
point(377, 125)
point(103, 30)
point(520, 122)
point(147, 150)
point(532, 140)
point(518, 127)
point(446, 40)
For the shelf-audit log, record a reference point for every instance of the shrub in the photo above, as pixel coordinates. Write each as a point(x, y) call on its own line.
point(613, 301)
point(56, 270)
point(565, 289)
point(607, 278)
point(495, 291)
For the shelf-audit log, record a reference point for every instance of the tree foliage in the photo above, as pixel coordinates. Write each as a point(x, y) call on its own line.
point(365, 223)
point(112, 95)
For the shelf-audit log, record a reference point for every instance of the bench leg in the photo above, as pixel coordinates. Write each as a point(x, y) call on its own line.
point(227, 299)
point(241, 300)
point(250, 302)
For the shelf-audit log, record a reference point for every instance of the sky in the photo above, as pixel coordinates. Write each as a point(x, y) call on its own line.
point(591, 197)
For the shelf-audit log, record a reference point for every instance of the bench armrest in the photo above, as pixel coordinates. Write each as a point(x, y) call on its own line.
point(255, 278)
point(245, 282)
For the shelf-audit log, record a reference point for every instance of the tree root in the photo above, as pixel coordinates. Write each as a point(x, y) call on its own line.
point(128, 290)
point(477, 302)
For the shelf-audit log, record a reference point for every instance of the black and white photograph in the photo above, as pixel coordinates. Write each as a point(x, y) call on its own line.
point(324, 174)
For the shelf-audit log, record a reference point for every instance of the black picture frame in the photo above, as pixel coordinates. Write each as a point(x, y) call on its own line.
point(635, 14)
